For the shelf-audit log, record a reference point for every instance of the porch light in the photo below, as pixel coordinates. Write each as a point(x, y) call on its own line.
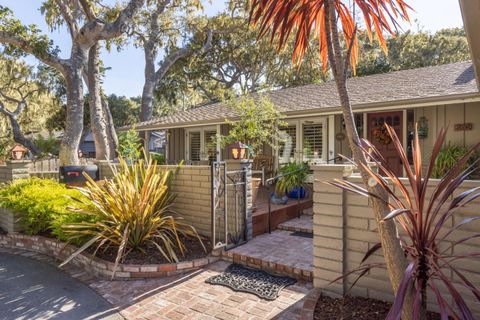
point(19, 152)
point(238, 150)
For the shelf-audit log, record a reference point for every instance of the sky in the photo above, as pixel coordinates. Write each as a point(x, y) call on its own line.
point(125, 76)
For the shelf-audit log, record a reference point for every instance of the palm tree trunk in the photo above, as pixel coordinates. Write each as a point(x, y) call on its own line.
point(392, 250)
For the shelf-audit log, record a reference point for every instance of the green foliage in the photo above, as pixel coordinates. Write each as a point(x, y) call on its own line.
point(129, 145)
point(41, 201)
point(258, 124)
point(448, 157)
point(294, 175)
point(157, 157)
point(48, 146)
point(413, 50)
point(125, 111)
point(132, 210)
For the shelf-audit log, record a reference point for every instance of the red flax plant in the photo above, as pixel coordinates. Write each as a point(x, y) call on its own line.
point(422, 214)
point(322, 19)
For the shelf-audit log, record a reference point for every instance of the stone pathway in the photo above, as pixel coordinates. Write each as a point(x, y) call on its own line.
point(280, 252)
point(302, 224)
point(189, 297)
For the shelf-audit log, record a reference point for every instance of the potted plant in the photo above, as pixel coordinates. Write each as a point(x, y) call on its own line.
point(293, 180)
point(259, 123)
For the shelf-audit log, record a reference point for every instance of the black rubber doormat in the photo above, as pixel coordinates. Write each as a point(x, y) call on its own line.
point(302, 234)
point(257, 282)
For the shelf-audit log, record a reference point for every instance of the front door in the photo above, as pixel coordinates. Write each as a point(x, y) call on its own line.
point(378, 135)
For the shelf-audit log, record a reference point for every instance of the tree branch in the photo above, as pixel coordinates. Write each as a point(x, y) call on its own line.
point(119, 26)
point(175, 56)
point(67, 15)
point(26, 46)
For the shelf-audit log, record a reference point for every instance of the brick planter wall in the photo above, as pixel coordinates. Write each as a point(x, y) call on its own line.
point(97, 266)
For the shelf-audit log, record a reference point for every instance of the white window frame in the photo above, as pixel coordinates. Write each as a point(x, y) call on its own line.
point(202, 141)
point(298, 123)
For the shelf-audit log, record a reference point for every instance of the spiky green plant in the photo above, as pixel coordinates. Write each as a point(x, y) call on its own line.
point(133, 210)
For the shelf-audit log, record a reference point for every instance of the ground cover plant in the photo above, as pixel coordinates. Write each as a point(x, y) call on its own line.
point(43, 203)
point(132, 211)
point(423, 214)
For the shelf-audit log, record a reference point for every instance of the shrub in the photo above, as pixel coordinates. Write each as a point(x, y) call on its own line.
point(424, 215)
point(448, 157)
point(133, 210)
point(42, 201)
point(129, 145)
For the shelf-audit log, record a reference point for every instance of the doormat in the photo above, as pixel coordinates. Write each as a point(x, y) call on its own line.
point(258, 282)
point(302, 234)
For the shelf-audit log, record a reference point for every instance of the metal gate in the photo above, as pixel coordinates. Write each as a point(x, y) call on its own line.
point(229, 206)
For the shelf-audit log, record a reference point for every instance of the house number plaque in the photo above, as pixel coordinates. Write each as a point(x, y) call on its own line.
point(463, 126)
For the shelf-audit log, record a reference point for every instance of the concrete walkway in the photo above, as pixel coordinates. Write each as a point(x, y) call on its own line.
point(31, 289)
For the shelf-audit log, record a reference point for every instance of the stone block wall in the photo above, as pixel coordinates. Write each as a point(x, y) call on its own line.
point(344, 230)
point(192, 186)
point(13, 170)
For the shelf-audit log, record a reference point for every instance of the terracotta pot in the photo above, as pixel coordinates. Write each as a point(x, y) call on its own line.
point(256, 183)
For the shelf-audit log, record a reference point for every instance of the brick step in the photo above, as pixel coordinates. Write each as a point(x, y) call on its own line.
point(280, 252)
point(302, 224)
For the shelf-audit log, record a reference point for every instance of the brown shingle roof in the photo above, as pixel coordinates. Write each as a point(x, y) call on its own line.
point(380, 90)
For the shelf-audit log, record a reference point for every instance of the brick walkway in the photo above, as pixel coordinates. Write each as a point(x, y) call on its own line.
point(303, 224)
point(189, 297)
point(280, 252)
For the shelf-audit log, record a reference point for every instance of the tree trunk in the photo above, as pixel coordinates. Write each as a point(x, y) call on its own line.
point(112, 134)
point(392, 249)
point(20, 138)
point(146, 110)
point(98, 119)
point(74, 120)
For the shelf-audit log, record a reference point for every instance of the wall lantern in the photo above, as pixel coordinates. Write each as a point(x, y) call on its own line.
point(238, 150)
point(19, 152)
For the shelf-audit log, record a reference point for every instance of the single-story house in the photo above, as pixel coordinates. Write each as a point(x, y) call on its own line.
point(433, 97)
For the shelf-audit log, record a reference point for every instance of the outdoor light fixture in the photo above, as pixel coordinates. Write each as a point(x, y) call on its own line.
point(19, 152)
point(238, 150)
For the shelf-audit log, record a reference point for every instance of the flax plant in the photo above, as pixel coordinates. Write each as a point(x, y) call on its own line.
point(423, 214)
point(133, 211)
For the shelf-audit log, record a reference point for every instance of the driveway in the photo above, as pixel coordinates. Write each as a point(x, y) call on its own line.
point(31, 289)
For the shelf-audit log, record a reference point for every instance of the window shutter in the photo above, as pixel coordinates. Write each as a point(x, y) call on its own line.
point(312, 141)
point(194, 146)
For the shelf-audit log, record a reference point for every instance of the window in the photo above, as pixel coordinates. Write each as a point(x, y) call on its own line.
point(210, 143)
point(287, 148)
point(194, 145)
point(313, 146)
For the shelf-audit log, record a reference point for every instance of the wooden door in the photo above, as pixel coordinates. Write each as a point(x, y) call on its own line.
point(380, 138)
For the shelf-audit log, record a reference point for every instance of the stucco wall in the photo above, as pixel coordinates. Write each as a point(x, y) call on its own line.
point(344, 230)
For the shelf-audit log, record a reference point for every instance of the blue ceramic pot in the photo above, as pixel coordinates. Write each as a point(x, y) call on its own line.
point(295, 191)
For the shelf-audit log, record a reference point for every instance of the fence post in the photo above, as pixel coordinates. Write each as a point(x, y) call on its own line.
point(329, 243)
point(246, 165)
point(18, 169)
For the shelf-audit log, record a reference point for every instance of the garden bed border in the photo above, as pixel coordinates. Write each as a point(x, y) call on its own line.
point(99, 267)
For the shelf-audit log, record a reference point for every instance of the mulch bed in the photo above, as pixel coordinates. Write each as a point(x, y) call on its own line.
point(153, 256)
point(354, 308)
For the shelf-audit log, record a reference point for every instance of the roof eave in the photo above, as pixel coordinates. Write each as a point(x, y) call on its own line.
point(364, 107)
point(470, 12)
